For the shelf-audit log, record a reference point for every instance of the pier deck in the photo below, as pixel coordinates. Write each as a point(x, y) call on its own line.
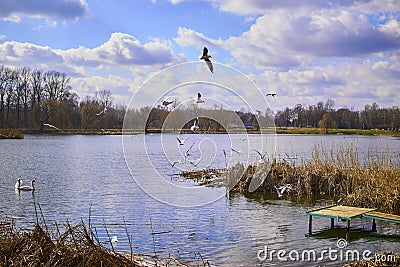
point(348, 213)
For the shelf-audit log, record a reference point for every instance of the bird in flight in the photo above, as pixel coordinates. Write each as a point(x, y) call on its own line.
point(195, 124)
point(262, 156)
point(206, 58)
point(165, 103)
point(236, 151)
point(49, 125)
point(271, 94)
point(199, 100)
point(182, 142)
point(282, 189)
point(187, 152)
point(103, 111)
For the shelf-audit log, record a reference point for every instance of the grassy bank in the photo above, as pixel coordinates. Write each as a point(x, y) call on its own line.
point(11, 134)
point(332, 174)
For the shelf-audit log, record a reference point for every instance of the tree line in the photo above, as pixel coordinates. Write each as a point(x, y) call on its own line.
point(34, 99)
point(323, 115)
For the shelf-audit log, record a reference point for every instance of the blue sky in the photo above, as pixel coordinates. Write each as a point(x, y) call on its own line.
point(306, 51)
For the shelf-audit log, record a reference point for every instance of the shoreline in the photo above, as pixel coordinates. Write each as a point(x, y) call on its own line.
point(277, 130)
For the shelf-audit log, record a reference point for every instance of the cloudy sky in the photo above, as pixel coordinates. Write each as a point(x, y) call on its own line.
point(304, 50)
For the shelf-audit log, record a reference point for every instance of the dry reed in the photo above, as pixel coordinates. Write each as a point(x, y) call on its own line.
point(11, 134)
point(77, 246)
point(387, 259)
point(332, 173)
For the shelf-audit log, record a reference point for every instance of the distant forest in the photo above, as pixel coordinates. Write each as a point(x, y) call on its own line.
point(32, 99)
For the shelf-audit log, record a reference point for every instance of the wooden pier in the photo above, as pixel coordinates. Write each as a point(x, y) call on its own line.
point(348, 213)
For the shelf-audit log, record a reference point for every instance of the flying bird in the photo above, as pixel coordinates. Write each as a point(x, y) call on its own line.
point(236, 151)
point(181, 142)
point(195, 124)
point(103, 111)
point(206, 58)
point(176, 162)
point(195, 163)
point(187, 152)
point(199, 100)
point(262, 156)
point(165, 103)
point(282, 189)
point(271, 94)
point(49, 125)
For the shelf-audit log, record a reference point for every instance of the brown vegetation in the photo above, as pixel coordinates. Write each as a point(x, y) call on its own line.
point(11, 134)
point(387, 259)
point(332, 174)
point(77, 246)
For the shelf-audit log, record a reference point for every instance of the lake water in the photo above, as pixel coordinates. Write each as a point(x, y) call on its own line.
point(74, 173)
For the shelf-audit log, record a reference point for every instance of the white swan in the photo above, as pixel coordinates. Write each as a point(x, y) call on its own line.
point(26, 187)
point(18, 183)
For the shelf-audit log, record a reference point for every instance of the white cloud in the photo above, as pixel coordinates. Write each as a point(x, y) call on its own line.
point(120, 64)
point(120, 50)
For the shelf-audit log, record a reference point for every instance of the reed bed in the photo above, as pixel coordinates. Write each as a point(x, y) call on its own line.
point(11, 134)
point(332, 173)
point(385, 259)
point(77, 246)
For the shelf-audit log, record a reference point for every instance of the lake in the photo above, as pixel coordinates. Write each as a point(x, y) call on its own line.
point(166, 214)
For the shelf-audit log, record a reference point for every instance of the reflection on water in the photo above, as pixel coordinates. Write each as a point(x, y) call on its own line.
point(74, 173)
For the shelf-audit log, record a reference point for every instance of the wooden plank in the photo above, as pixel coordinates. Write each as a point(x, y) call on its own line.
point(320, 208)
point(342, 212)
point(382, 216)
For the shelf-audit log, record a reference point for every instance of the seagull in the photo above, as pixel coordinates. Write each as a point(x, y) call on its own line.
point(166, 103)
point(114, 239)
point(195, 163)
point(262, 156)
point(199, 100)
point(282, 189)
point(49, 125)
point(103, 111)
point(176, 162)
point(206, 58)
point(187, 151)
point(181, 142)
point(195, 125)
point(27, 187)
point(339, 202)
point(271, 94)
point(236, 151)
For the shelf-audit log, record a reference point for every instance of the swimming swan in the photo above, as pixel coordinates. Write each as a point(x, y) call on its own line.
point(26, 187)
point(18, 183)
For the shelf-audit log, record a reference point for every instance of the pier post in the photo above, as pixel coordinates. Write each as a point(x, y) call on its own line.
point(373, 225)
point(310, 224)
point(332, 223)
point(348, 230)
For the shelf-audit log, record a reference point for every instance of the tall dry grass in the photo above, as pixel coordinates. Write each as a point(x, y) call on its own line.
point(332, 173)
point(77, 246)
point(11, 134)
